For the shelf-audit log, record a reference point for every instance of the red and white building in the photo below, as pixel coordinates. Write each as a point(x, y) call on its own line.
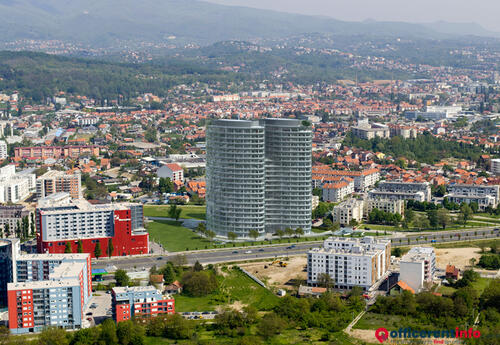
point(140, 301)
point(173, 171)
point(335, 192)
point(62, 220)
point(49, 290)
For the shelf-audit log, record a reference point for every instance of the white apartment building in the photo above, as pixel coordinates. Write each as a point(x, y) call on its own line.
point(399, 190)
point(484, 195)
point(172, 171)
point(495, 166)
point(335, 192)
point(350, 261)
point(386, 205)
point(365, 130)
point(417, 267)
point(3, 150)
point(348, 210)
point(362, 179)
point(15, 187)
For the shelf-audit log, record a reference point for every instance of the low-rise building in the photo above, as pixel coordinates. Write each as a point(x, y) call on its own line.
point(15, 187)
point(171, 170)
point(335, 192)
point(365, 130)
point(484, 195)
point(386, 205)
point(346, 211)
point(140, 301)
point(417, 267)
point(399, 190)
point(350, 262)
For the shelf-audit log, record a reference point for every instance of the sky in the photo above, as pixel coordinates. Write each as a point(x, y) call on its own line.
point(483, 12)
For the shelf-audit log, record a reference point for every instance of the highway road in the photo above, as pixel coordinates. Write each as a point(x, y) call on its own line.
point(271, 251)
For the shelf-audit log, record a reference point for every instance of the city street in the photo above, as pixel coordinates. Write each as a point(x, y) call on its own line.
point(271, 251)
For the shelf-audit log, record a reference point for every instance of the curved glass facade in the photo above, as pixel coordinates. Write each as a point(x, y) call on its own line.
point(258, 176)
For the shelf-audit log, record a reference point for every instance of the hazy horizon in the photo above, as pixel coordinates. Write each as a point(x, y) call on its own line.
point(482, 12)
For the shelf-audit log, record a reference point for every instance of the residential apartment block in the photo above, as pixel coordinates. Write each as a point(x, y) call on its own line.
point(362, 179)
point(365, 130)
point(386, 205)
point(140, 301)
point(15, 187)
point(49, 290)
point(4, 153)
point(417, 267)
point(55, 152)
point(258, 176)
point(495, 166)
point(399, 190)
point(335, 192)
point(60, 219)
point(12, 215)
point(346, 211)
point(484, 195)
point(59, 181)
point(9, 250)
point(350, 261)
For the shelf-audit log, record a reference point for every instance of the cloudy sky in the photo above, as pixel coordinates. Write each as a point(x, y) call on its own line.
point(483, 12)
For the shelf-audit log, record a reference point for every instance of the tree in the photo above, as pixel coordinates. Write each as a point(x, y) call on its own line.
point(270, 325)
point(197, 267)
point(53, 336)
point(122, 278)
point(67, 248)
point(280, 233)
point(108, 332)
point(210, 234)
point(176, 327)
point(231, 236)
point(325, 280)
point(443, 218)
point(7, 230)
point(80, 246)
point(110, 248)
point(201, 227)
point(130, 333)
point(353, 222)
point(253, 234)
point(199, 284)
point(174, 212)
point(289, 231)
point(465, 212)
point(432, 216)
point(299, 232)
point(98, 250)
point(168, 273)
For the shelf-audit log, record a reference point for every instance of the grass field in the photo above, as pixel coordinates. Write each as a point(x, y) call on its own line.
point(374, 321)
point(234, 286)
point(467, 244)
point(174, 238)
point(188, 211)
point(478, 285)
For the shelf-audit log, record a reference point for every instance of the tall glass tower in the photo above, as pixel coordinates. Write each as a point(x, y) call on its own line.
point(258, 176)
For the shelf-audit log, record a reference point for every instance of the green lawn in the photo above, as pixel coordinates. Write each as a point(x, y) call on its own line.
point(478, 285)
point(174, 237)
point(188, 211)
point(374, 321)
point(233, 286)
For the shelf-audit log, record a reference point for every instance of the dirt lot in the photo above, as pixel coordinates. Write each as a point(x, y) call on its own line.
point(459, 257)
point(280, 277)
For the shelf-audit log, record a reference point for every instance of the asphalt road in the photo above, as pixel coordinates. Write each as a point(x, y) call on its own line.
point(263, 252)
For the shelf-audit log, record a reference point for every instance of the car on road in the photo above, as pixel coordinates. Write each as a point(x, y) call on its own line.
point(261, 250)
point(89, 319)
point(433, 241)
point(89, 314)
point(159, 258)
point(235, 252)
point(248, 252)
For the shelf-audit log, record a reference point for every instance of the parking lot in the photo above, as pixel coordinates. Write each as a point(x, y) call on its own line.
point(99, 307)
point(197, 315)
